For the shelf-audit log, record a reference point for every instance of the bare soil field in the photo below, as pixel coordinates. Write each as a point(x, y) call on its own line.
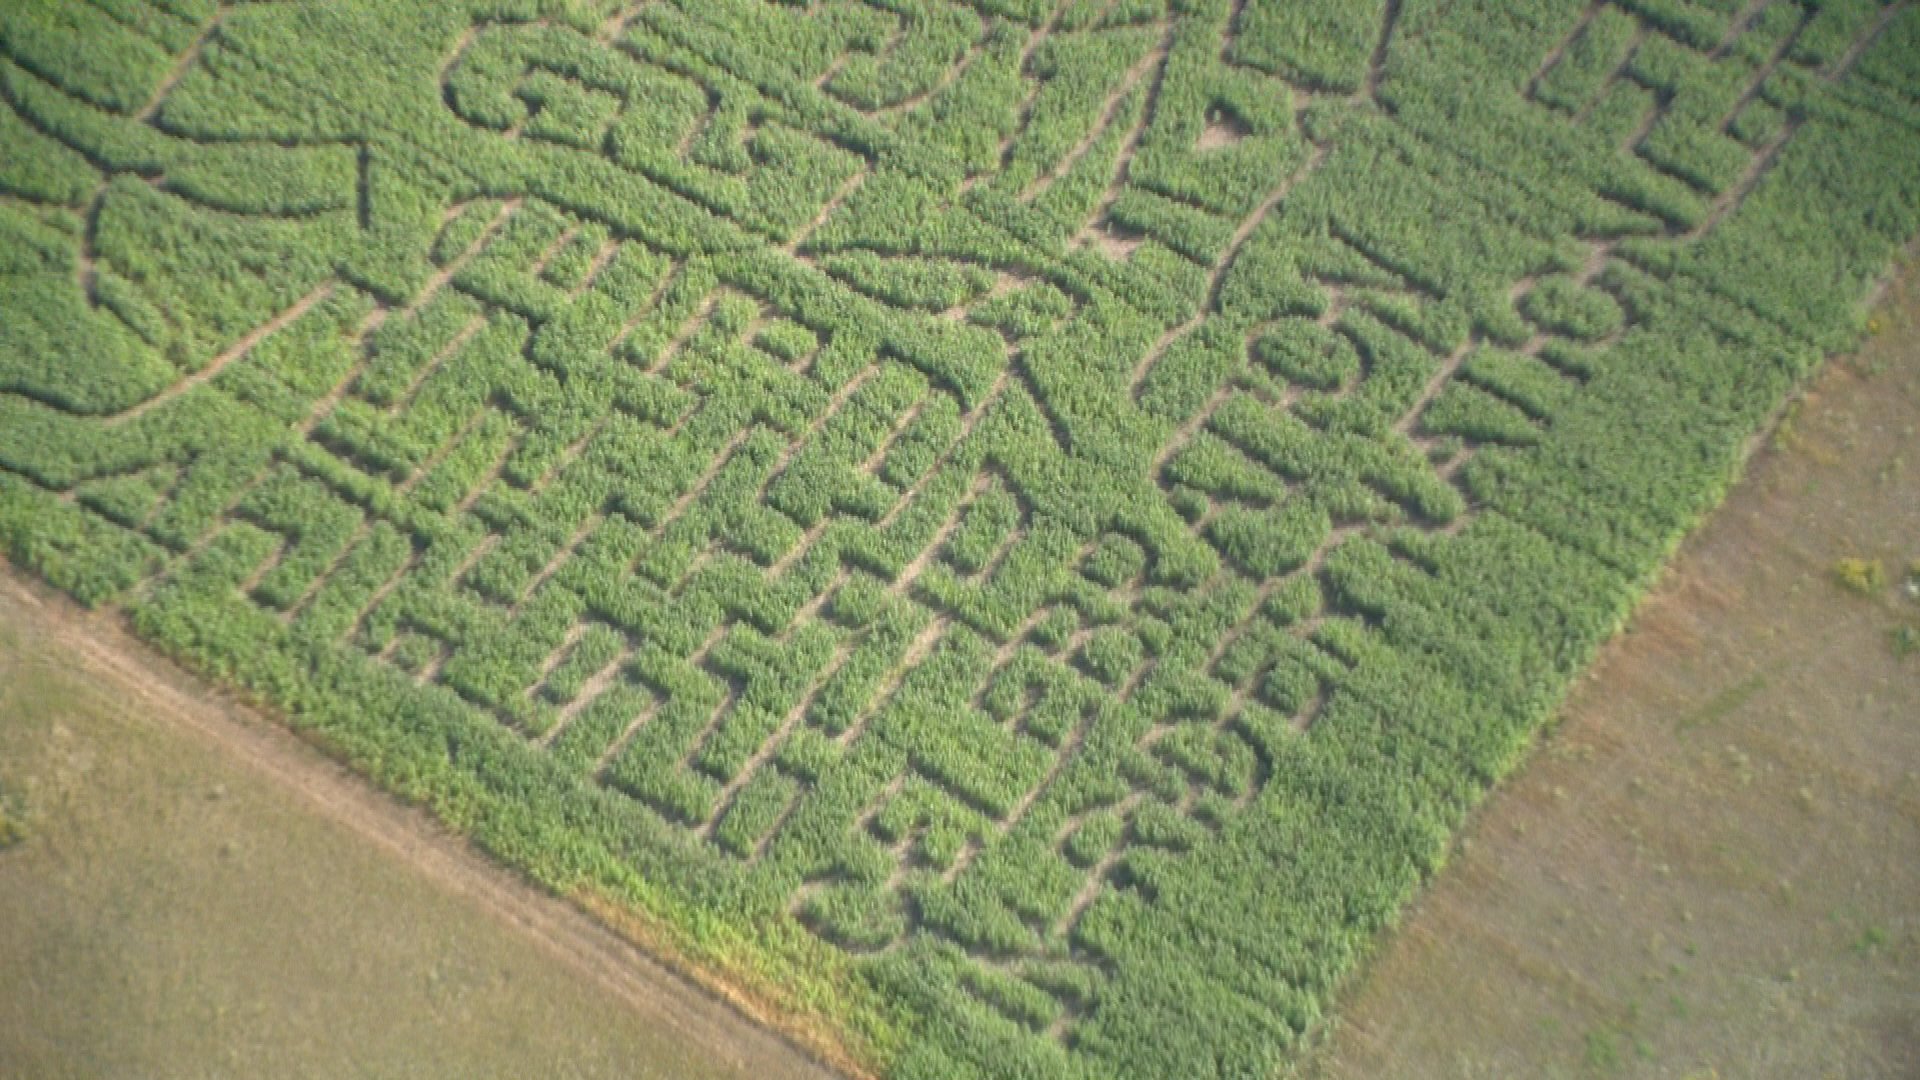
point(200, 894)
point(1711, 867)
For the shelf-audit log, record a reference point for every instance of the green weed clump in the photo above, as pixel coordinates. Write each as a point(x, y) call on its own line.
point(13, 830)
point(1905, 639)
point(982, 522)
point(1865, 577)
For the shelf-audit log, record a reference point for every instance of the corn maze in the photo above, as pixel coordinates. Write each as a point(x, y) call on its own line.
point(1014, 529)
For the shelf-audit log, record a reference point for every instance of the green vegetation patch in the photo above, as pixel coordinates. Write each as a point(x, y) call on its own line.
point(12, 830)
point(1013, 533)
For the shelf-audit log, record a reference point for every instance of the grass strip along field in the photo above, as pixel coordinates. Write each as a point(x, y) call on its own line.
point(1009, 534)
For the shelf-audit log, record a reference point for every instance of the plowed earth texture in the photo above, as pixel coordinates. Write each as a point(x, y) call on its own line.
point(1011, 533)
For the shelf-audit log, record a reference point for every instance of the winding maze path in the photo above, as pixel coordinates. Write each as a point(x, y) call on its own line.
point(1054, 510)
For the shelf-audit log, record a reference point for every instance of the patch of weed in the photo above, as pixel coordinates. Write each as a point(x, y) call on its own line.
point(1863, 576)
point(1603, 1050)
point(12, 829)
point(1905, 639)
point(1870, 941)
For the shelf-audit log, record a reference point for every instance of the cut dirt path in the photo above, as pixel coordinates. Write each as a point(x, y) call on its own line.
point(1711, 867)
point(232, 854)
